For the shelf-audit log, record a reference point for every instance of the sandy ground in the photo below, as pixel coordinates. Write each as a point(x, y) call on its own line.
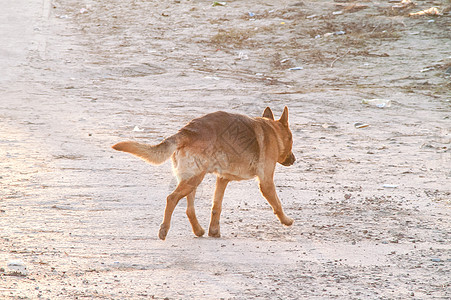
point(371, 205)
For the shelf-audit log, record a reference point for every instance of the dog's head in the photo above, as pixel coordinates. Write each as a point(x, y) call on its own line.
point(284, 136)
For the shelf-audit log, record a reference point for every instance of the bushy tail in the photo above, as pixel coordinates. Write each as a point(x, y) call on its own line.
point(155, 155)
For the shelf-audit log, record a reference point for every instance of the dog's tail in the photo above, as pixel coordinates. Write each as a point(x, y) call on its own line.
point(154, 154)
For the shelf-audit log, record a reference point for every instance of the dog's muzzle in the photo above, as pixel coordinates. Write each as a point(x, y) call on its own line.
point(289, 160)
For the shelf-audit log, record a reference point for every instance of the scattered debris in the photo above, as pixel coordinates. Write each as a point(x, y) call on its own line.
point(17, 267)
point(341, 32)
point(427, 69)
point(433, 11)
point(390, 186)
point(219, 3)
point(213, 78)
point(137, 129)
point(436, 259)
point(381, 103)
point(359, 125)
point(242, 56)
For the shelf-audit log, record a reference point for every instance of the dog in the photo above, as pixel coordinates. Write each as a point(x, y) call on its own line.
point(231, 146)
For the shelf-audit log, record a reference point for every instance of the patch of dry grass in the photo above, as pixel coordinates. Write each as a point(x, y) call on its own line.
point(291, 13)
point(443, 89)
point(232, 37)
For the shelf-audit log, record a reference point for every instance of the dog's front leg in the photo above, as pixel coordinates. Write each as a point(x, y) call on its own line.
point(268, 190)
point(214, 229)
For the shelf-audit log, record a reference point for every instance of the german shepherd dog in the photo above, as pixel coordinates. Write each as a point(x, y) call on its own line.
point(233, 147)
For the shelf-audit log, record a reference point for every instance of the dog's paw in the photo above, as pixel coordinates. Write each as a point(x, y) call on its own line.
point(214, 233)
point(163, 232)
point(287, 221)
point(199, 232)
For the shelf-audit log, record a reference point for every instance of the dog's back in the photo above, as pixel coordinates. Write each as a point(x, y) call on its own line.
point(219, 142)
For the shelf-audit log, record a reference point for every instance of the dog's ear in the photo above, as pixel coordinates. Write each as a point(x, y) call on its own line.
point(268, 113)
point(284, 118)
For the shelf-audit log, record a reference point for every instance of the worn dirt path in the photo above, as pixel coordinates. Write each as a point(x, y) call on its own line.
point(78, 76)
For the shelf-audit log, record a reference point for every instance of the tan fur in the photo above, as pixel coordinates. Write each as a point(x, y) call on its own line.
point(232, 146)
point(155, 155)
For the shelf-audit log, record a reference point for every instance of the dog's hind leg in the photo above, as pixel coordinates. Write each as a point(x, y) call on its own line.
point(221, 185)
point(191, 213)
point(268, 190)
point(183, 189)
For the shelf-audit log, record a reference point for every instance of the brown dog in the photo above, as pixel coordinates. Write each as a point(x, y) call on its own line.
point(232, 146)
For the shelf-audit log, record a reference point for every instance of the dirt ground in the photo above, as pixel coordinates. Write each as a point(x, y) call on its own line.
point(371, 203)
